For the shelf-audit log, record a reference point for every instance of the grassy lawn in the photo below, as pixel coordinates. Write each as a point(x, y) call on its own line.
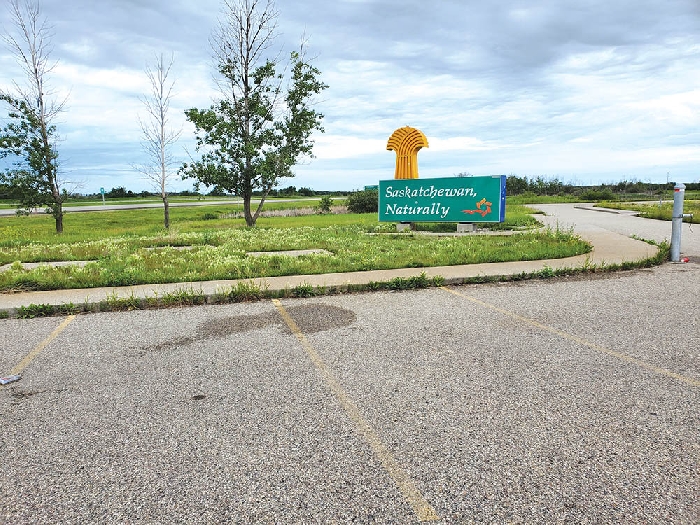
point(531, 198)
point(653, 210)
point(129, 247)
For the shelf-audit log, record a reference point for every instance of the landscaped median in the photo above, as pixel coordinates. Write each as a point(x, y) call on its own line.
point(223, 254)
point(236, 264)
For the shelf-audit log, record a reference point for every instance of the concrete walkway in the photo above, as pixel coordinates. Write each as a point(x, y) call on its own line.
point(610, 246)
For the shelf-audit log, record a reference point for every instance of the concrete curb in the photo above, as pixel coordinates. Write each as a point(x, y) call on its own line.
point(591, 207)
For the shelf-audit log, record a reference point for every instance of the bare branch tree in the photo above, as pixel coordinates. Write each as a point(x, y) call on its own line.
point(31, 135)
point(157, 136)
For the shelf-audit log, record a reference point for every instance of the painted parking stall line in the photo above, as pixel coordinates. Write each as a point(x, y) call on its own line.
point(619, 355)
point(423, 510)
point(26, 361)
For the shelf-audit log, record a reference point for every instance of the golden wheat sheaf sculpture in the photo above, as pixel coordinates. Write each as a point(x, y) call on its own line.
point(406, 142)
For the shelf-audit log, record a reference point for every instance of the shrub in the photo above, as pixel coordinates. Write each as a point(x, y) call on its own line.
point(324, 205)
point(603, 194)
point(366, 201)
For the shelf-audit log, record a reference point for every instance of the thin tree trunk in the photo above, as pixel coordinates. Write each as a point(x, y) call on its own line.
point(166, 212)
point(260, 206)
point(249, 219)
point(59, 219)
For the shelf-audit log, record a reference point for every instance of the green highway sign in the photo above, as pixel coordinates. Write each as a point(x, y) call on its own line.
point(448, 199)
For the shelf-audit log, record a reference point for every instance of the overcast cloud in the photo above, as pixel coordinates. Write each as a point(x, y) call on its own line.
point(584, 90)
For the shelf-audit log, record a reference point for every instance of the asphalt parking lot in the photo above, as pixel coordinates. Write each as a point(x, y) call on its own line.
point(567, 400)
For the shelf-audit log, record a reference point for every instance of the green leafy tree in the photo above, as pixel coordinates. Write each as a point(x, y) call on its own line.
point(29, 139)
point(262, 125)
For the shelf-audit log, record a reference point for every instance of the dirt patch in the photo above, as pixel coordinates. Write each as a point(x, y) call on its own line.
point(178, 248)
point(54, 264)
point(291, 253)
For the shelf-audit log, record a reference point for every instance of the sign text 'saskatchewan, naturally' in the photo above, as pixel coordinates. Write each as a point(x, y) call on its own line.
point(454, 199)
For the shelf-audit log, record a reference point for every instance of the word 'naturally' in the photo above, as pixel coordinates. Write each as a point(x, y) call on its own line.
point(434, 209)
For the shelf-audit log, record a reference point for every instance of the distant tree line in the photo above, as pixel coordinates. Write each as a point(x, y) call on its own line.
point(121, 192)
point(514, 186)
point(553, 186)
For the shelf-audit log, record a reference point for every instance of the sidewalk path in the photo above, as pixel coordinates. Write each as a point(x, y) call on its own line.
point(586, 218)
point(608, 233)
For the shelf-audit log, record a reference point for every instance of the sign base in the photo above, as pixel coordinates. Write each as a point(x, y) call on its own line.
point(465, 227)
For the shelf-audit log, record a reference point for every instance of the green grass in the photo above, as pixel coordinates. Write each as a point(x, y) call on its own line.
point(129, 247)
point(221, 254)
point(89, 226)
point(531, 198)
point(653, 210)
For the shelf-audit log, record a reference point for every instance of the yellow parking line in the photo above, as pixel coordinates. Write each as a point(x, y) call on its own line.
point(424, 511)
point(575, 339)
point(24, 363)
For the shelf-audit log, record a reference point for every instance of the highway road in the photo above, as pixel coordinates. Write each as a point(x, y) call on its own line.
point(145, 205)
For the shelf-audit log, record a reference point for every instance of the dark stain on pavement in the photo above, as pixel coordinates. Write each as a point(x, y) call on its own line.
point(310, 318)
point(313, 318)
point(237, 324)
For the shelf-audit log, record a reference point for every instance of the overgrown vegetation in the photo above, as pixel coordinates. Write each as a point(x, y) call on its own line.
point(541, 190)
point(325, 204)
point(126, 248)
point(221, 254)
point(662, 211)
point(244, 291)
point(205, 243)
point(662, 255)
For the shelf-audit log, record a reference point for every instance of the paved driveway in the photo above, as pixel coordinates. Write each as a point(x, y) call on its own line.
point(569, 400)
point(585, 218)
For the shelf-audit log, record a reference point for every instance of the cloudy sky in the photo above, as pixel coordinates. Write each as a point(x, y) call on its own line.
point(588, 91)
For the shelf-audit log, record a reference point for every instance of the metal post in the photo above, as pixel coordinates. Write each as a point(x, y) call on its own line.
point(677, 221)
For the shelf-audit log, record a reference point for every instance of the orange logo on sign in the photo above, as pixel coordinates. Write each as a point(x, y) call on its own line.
point(478, 210)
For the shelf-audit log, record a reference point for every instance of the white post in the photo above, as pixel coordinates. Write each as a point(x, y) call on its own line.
point(677, 221)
